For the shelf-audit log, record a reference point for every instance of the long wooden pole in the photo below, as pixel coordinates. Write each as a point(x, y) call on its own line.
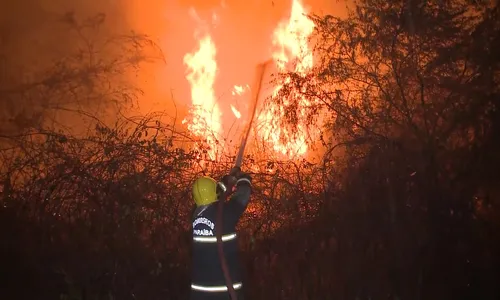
point(229, 185)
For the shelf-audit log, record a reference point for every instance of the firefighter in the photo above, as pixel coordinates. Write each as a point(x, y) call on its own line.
point(207, 277)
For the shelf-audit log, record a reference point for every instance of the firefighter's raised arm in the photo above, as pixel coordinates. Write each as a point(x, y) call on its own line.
point(243, 189)
point(238, 201)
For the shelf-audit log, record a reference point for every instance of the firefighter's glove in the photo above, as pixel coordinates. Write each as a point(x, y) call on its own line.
point(235, 172)
point(244, 178)
point(232, 177)
point(229, 180)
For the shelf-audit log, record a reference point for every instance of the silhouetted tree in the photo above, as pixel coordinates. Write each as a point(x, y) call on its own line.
point(409, 96)
point(90, 81)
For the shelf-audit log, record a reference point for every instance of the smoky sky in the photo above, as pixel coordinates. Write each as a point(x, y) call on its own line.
point(32, 37)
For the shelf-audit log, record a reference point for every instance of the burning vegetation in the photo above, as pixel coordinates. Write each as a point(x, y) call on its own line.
point(373, 157)
point(290, 52)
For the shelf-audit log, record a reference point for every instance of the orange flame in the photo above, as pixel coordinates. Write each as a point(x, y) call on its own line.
point(202, 70)
point(289, 45)
point(238, 91)
point(236, 113)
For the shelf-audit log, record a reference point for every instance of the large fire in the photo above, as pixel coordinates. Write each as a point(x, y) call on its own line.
point(289, 50)
point(291, 45)
point(202, 69)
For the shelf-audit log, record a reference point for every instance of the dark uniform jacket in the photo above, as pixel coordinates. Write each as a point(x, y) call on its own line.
point(207, 278)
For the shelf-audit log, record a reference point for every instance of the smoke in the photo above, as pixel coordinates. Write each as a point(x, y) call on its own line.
point(241, 30)
point(32, 34)
point(32, 38)
point(38, 49)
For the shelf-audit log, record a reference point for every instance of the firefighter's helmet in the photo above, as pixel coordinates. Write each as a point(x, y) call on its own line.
point(204, 191)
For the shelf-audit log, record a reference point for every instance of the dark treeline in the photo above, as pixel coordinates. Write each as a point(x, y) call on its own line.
point(404, 205)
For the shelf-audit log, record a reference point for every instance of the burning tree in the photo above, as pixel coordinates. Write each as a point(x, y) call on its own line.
point(410, 103)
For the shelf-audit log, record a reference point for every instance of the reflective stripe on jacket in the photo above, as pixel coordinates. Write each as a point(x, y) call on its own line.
point(213, 239)
point(216, 288)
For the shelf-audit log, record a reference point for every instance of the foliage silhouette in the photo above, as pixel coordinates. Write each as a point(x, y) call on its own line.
point(404, 204)
point(90, 79)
